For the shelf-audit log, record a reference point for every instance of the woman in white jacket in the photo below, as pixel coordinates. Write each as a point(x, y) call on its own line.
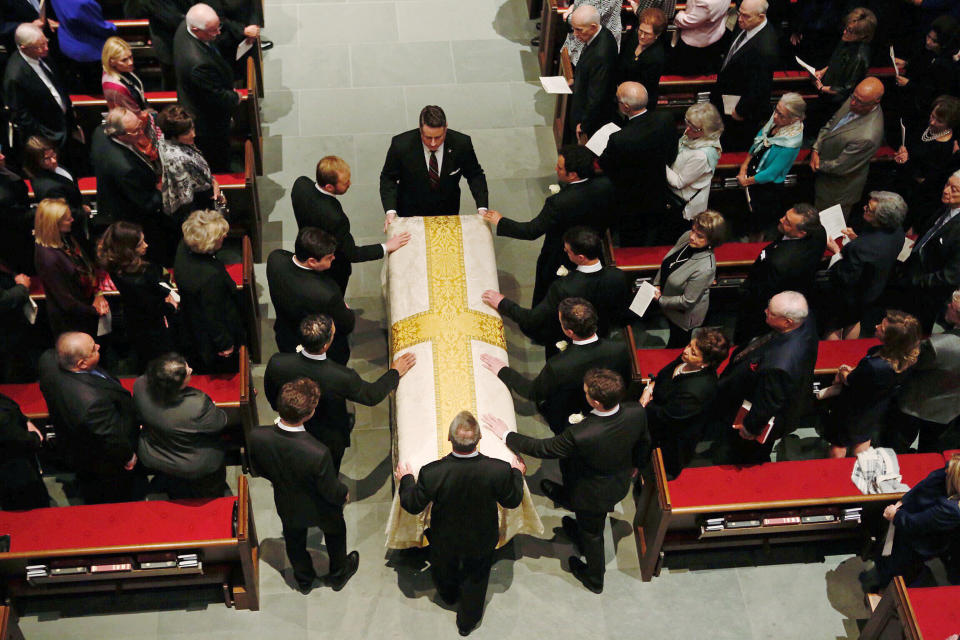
point(698, 153)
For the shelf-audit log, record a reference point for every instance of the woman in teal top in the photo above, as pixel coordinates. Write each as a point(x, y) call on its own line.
point(771, 156)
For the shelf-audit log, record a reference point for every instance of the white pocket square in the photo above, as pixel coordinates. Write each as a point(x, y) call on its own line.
point(455, 171)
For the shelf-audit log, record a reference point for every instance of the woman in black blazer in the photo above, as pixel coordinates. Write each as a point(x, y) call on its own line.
point(642, 54)
point(678, 399)
point(50, 180)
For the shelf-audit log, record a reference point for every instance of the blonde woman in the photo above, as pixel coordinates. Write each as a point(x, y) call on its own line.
point(698, 153)
point(121, 86)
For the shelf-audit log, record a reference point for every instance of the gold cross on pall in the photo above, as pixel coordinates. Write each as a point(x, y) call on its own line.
point(449, 325)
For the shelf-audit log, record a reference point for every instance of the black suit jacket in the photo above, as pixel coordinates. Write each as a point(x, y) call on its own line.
point(21, 485)
point(558, 388)
point(405, 183)
point(13, 13)
point(861, 276)
point(13, 297)
point(607, 290)
point(928, 520)
point(314, 209)
point(204, 84)
point(633, 160)
point(598, 456)
point(306, 490)
point(337, 385)
point(934, 269)
point(297, 293)
point(587, 203)
point(126, 183)
point(465, 493)
point(95, 418)
point(33, 109)
point(16, 224)
point(749, 74)
point(594, 83)
point(50, 184)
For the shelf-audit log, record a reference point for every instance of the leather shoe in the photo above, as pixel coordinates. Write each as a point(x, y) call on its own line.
point(339, 580)
point(465, 631)
point(266, 45)
point(306, 587)
point(571, 530)
point(551, 490)
point(579, 569)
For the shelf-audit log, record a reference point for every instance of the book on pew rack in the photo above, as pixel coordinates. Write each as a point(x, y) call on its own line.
point(163, 560)
point(852, 514)
point(741, 520)
point(742, 413)
point(112, 564)
point(187, 561)
point(818, 516)
point(713, 524)
point(69, 566)
point(781, 519)
point(37, 571)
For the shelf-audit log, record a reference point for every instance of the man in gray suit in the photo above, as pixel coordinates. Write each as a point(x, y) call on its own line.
point(930, 400)
point(841, 155)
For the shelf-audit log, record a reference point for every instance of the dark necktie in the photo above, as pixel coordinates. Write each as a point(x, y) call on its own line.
point(752, 346)
point(933, 230)
point(733, 48)
point(434, 171)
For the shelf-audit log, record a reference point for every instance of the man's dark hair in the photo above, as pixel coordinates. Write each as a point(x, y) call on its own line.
point(579, 316)
point(604, 386)
point(433, 116)
point(297, 400)
point(810, 217)
point(577, 159)
point(583, 241)
point(315, 243)
point(165, 376)
point(315, 332)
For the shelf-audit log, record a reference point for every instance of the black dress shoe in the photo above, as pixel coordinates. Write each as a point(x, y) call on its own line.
point(572, 531)
point(339, 580)
point(449, 598)
point(579, 569)
point(535, 42)
point(465, 631)
point(266, 45)
point(306, 587)
point(551, 490)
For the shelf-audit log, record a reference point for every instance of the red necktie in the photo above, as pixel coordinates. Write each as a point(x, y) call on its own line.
point(434, 172)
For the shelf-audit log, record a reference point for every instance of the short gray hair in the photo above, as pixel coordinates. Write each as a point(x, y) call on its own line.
point(464, 432)
point(586, 15)
point(794, 104)
point(26, 34)
point(113, 122)
point(891, 209)
point(705, 116)
point(790, 304)
point(762, 5)
point(200, 15)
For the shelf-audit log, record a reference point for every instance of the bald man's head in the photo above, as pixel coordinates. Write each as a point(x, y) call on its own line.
point(631, 98)
point(77, 351)
point(866, 96)
point(585, 22)
point(203, 22)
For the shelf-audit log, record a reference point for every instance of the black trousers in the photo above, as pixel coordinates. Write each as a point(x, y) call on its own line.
point(904, 429)
point(590, 524)
point(295, 539)
point(464, 577)
point(336, 440)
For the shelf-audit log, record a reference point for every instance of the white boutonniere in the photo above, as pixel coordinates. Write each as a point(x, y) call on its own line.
point(554, 189)
point(562, 271)
point(562, 345)
point(575, 418)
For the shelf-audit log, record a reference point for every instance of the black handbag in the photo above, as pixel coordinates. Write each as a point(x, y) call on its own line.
point(675, 203)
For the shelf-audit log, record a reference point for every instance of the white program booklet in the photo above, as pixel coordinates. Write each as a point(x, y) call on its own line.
point(729, 104)
point(834, 259)
point(642, 300)
point(555, 84)
point(832, 220)
point(105, 324)
point(243, 47)
point(30, 311)
point(906, 250)
point(893, 61)
point(803, 64)
point(598, 141)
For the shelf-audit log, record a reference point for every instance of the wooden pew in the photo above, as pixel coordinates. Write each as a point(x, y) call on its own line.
point(561, 113)
point(9, 630)
point(221, 532)
point(671, 514)
point(929, 613)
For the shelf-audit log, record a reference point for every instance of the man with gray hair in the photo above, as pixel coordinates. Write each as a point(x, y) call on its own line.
point(205, 83)
point(774, 372)
point(594, 77)
point(465, 488)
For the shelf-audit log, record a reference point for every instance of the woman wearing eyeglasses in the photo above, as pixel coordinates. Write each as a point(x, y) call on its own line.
point(642, 54)
point(689, 177)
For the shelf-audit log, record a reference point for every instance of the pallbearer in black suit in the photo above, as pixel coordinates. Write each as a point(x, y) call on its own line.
point(595, 76)
point(421, 175)
point(332, 425)
point(317, 204)
point(558, 388)
point(583, 200)
point(598, 457)
point(465, 488)
point(300, 285)
point(306, 490)
point(604, 287)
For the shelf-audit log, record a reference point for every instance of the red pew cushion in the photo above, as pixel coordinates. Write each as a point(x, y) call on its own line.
point(833, 353)
point(777, 481)
point(936, 611)
point(651, 257)
point(114, 525)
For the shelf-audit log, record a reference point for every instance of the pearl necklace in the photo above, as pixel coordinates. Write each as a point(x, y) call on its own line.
point(932, 134)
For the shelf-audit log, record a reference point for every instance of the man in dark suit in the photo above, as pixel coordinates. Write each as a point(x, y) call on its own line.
point(598, 457)
point(789, 263)
point(205, 84)
point(165, 16)
point(14, 295)
point(582, 200)
point(300, 285)
point(21, 484)
point(422, 171)
point(606, 288)
point(317, 204)
point(632, 160)
point(746, 72)
point(465, 488)
point(775, 373)
point(306, 490)
point(38, 100)
point(558, 388)
point(95, 419)
point(333, 424)
point(594, 77)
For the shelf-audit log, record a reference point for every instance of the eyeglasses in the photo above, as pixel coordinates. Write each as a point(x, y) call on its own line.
point(690, 125)
point(855, 98)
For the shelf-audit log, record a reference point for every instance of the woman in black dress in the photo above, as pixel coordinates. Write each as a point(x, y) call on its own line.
point(50, 180)
point(642, 54)
point(149, 303)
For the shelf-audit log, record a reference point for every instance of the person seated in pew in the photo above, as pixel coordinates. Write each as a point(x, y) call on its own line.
point(187, 184)
point(50, 180)
point(95, 420)
point(790, 263)
point(212, 320)
point(679, 398)
point(606, 288)
point(21, 481)
point(332, 424)
point(121, 86)
point(643, 54)
point(584, 200)
point(927, 522)
point(763, 171)
point(306, 490)
point(774, 372)
point(146, 293)
point(598, 457)
point(557, 388)
point(682, 283)
point(698, 153)
point(180, 439)
point(858, 279)
point(855, 407)
point(300, 285)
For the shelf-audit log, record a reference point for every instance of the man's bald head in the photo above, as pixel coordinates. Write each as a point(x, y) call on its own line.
point(585, 22)
point(631, 97)
point(203, 22)
point(77, 351)
point(866, 96)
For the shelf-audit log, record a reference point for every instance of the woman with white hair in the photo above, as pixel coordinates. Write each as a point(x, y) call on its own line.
point(698, 153)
